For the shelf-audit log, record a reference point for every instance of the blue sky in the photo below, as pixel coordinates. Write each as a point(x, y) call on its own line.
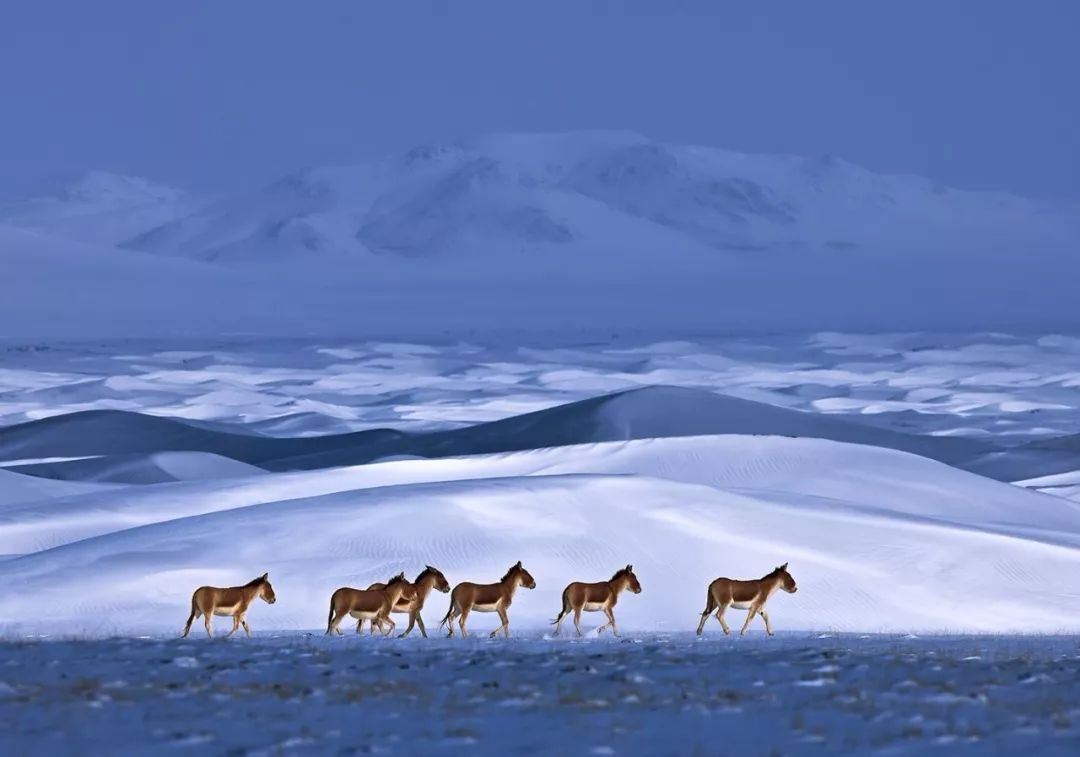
point(219, 96)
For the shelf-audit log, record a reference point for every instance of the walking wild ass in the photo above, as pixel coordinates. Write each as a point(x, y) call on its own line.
point(209, 601)
point(486, 598)
point(598, 596)
point(746, 595)
point(429, 578)
point(368, 604)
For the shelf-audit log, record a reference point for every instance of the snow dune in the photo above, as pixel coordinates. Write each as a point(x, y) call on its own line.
point(154, 468)
point(878, 539)
point(16, 488)
point(650, 412)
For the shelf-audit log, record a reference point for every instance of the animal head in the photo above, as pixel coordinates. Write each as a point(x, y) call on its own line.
point(408, 591)
point(266, 591)
point(787, 583)
point(517, 572)
point(440, 584)
point(632, 582)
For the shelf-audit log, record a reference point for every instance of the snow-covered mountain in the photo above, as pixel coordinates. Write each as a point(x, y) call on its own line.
point(578, 230)
point(101, 208)
point(601, 191)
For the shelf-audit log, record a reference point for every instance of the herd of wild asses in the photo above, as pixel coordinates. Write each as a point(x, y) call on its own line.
point(377, 602)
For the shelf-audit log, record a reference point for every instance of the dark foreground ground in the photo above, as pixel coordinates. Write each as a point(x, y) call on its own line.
point(792, 694)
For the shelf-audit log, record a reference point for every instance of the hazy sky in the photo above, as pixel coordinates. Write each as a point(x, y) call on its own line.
point(222, 95)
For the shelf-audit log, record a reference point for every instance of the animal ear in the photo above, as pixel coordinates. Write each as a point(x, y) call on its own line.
point(783, 567)
point(629, 568)
point(265, 576)
point(518, 564)
point(428, 567)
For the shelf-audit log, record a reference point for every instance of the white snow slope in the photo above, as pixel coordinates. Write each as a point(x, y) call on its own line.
point(878, 540)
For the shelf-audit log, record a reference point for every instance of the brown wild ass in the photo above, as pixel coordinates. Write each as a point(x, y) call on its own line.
point(209, 601)
point(746, 595)
point(486, 598)
point(598, 596)
point(429, 578)
point(373, 604)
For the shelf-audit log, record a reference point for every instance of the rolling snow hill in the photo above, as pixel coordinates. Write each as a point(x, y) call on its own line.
point(878, 540)
point(650, 412)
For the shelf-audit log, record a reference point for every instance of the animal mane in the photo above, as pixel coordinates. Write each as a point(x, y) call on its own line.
point(255, 581)
point(620, 573)
point(399, 578)
point(512, 569)
point(427, 571)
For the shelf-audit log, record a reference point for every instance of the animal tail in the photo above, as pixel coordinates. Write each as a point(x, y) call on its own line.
point(330, 617)
point(194, 614)
point(565, 609)
point(449, 612)
point(710, 602)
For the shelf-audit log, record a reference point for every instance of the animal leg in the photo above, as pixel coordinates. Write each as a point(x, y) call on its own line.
point(749, 616)
point(768, 625)
point(611, 621)
point(577, 620)
point(247, 628)
point(505, 624)
point(360, 626)
point(207, 618)
point(335, 623)
point(420, 623)
point(235, 626)
point(461, 622)
point(720, 618)
point(412, 621)
point(391, 625)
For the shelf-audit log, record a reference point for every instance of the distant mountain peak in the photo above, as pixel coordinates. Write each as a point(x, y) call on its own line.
point(105, 187)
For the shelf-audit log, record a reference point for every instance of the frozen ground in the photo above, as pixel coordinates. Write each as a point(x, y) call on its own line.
point(792, 694)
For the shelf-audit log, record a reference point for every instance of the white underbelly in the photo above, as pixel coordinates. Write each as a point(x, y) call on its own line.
point(485, 608)
point(593, 606)
point(226, 610)
point(740, 605)
point(364, 614)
